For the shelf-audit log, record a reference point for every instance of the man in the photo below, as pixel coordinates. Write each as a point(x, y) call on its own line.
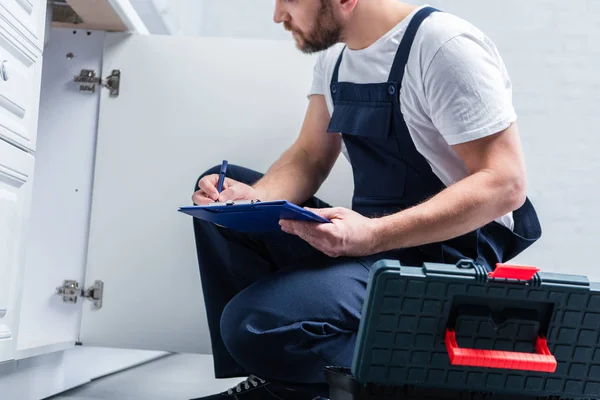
point(421, 102)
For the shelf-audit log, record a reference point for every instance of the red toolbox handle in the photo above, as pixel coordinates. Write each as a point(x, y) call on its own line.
point(543, 361)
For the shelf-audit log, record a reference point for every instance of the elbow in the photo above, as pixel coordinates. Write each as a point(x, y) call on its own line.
point(514, 194)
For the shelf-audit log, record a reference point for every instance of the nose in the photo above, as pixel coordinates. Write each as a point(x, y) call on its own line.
point(280, 15)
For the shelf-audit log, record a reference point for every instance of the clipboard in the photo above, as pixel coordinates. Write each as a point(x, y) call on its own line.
point(251, 216)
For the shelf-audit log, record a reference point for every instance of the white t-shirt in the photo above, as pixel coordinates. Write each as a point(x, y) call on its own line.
point(455, 87)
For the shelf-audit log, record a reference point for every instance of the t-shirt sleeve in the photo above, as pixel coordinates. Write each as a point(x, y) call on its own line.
point(468, 90)
point(318, 82)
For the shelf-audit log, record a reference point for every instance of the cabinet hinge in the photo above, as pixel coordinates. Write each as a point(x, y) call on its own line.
point(88, 81)
point(70, 292)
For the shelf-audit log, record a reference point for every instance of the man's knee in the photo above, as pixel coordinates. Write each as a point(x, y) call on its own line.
point(241, 337)
point(266, 345)
point(256, 339)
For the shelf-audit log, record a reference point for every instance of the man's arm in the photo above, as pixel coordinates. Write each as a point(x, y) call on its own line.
point(467, 94)
point(299, 172)
point(496, 185)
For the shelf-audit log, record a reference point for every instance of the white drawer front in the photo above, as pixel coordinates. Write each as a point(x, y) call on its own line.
point(19, 94)
point(26, 17)
point(16, 169)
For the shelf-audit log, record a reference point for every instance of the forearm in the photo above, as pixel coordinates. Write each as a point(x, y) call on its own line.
point(459, 209)
point(295, 177)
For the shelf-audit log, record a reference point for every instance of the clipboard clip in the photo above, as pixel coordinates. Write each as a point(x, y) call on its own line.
point(233, 203)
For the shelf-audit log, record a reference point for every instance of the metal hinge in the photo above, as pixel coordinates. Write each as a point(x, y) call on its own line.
point(70, 292)
point(88, 81)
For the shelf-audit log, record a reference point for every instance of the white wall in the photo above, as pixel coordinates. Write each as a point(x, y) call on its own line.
point(241, 18)
point(185, 16)
point(233, 18)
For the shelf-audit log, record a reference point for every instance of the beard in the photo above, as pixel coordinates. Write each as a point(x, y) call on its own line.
point(326, 31)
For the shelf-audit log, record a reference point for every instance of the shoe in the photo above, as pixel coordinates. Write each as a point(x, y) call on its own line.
point(255, 388)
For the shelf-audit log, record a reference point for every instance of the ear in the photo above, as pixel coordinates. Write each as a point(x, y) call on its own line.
point(348, 5)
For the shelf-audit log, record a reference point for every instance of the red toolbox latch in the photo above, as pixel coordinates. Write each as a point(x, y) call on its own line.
point(509, 271)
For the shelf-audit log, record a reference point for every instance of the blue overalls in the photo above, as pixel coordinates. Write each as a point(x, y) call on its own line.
point(391, 175)
point(278, 308)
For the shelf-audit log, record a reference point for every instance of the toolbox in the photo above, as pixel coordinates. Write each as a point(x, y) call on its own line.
point(458, 332)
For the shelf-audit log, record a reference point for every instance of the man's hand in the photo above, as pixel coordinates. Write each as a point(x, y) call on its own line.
point(232, 190)
point(348, 234)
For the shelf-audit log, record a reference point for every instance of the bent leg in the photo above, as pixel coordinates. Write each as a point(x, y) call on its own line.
point(290, 325)
point(219, 253)
point(231, 261)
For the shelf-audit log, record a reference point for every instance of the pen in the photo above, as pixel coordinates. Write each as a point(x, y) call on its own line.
point(222, 176)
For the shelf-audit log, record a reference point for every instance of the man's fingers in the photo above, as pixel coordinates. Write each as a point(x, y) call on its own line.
point(304, 234)
point(322, 243)
point(305, 230)
point(291, 226)
point(208, 186)
point(208, 181)
point(200, 198)
point(323, 212)
point(322, 240)
point(231, 193)
point(228, 183)
point(327, 213)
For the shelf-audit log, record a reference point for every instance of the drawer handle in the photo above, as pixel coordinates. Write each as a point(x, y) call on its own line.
point(4, 70)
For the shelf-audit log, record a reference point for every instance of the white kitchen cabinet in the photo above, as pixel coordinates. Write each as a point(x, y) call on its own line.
point(27, 17)
point(20, 70)
point(19, 95)
point(21, 35)
point(16, 170)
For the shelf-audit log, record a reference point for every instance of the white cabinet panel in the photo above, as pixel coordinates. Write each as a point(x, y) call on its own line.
point(153, 143)
point(26, 17)
point(16, 82)
point(62, 194)
point(16, 167)
point(20, 79)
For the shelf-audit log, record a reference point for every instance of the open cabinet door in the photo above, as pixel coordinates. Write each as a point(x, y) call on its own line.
point(184, 105)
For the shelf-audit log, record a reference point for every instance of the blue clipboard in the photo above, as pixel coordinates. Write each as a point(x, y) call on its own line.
point(251, 216)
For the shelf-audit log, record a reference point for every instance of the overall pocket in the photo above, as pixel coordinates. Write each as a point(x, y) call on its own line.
point(378, 171)
point(365, 119)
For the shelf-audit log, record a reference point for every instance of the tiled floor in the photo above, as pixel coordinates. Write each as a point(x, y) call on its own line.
point(176, 377)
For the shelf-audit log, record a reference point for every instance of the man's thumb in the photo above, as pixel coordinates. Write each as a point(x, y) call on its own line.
point(326, 213)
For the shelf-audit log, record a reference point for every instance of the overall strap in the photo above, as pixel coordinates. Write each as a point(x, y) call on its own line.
point(334, 78)
point(397, 72)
